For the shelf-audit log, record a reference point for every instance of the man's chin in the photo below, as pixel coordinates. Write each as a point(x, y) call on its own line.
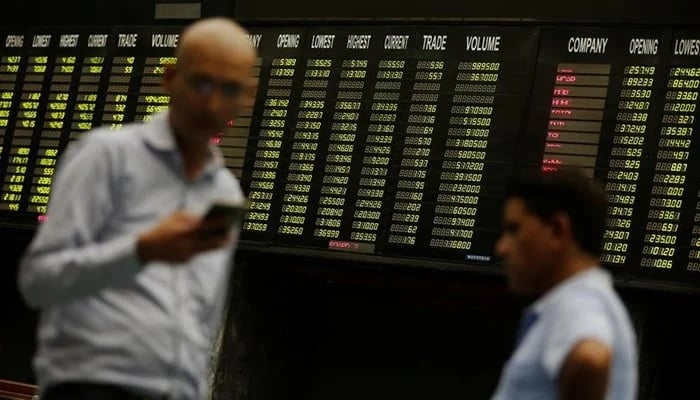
point(205, 133)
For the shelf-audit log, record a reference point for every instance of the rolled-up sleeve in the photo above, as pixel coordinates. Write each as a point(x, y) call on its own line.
point(66, 259)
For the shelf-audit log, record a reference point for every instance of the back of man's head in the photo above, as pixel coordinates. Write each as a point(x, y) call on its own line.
point(571, 192)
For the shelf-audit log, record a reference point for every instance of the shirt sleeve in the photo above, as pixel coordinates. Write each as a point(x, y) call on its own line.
point(66, 259)
point(576, 319)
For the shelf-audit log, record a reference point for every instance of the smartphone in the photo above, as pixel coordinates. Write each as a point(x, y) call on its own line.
point(231, 212)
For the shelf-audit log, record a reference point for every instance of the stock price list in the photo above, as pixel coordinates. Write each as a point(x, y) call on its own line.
point(10, 61)
point(86, 98)
point(570, 97)
point(23, 134)
point(670, 178)
point(116, 101)
point(152, 99)
point(597, 112)
point(89, 95)
point(576, 116)
point(121, 66)
point(357, 111)
point(463, 166)
point(408, 215)
point(672, 204)
point(9, 70)
point(295, 210)
point(270, 125)
point(466, 100)
point(151, 96)
point(632, 128)
point(339, 208)
point(51, 132)
point(340, 150)
point(372, 190)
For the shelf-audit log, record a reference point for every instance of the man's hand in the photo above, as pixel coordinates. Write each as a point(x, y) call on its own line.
point(180, 236)
point(586, 371)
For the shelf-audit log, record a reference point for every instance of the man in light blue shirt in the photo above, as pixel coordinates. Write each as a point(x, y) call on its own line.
point(129, 278)
point(576, 341)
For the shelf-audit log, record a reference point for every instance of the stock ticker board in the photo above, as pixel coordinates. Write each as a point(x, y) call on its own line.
point(395, 141)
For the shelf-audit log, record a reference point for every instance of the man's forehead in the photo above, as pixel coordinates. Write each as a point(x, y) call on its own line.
point(210, 61)
point(516, 208)
point(515, 205)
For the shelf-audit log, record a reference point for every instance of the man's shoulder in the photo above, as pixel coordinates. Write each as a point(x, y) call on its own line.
point(590, 288)
point(105, 144)
point(582, 298)
point(105, 136)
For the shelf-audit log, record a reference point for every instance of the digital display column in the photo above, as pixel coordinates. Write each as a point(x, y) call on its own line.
point(342, 137)
point(629, 138)
point(671, 169)
point(486, 99)
point(694, 251)
point(119, 95)
point(373, 191)
point(295, 211)
point(425, 78)
point(465, 152)
point(10, 61)
point(56, 117)
point(280, 51)
point(9, 72)
point(570, 93)
point(340, 151)
point(88, 97)
point(152, 98)
point(674, 179)
point(28, 124)
point(584, 88)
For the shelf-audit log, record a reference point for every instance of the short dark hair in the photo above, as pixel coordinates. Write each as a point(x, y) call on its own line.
point(571, 192)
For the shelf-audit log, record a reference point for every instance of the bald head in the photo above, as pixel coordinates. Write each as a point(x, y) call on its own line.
point(219, 35)
point(209, 84)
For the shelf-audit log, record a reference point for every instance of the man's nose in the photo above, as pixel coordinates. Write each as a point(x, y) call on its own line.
point(500, 247)
point(215, 102)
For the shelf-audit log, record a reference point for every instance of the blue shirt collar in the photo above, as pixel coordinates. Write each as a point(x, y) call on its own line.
point(593, 276)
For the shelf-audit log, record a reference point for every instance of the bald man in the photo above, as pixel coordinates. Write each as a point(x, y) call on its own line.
point(128, 275)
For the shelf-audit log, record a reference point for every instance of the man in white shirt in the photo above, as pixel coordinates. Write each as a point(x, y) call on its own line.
point(129, 278)
point(576, 341)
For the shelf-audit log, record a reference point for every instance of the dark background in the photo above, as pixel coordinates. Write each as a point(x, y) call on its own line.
point(312, 328)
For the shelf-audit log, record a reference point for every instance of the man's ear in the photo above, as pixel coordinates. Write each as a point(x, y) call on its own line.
point(561, 225)
point(166, 81)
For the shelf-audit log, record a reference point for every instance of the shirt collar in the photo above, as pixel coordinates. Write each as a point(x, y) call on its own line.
point(591, 277)
point(162, 138)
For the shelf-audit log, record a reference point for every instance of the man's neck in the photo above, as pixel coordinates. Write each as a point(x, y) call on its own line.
point(195, 155)
point(571, 265)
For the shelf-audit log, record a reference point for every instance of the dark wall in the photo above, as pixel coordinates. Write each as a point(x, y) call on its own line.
point(18, 322)
point(77, 12)
point(311, 329)
point(543, 10)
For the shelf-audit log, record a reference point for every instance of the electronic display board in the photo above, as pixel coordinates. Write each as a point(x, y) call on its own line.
point(394, 140)
point(596, 105)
